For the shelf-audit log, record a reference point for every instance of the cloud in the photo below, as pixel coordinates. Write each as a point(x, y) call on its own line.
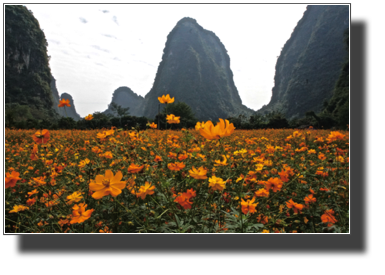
point(104, 11)
point(100, 49)
point(54, 41)
point(115, 19)
point(83, 20)
point(110, 36)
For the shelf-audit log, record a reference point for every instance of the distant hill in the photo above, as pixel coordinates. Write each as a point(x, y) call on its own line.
point(310, 62)
point(125, 97)
point(195, 69)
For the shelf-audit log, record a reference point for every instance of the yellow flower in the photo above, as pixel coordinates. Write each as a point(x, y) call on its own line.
point(75, 197)
point(166, 99)
point(217, 183)
point(145, 190)
point(83, 163)
point(17, 208)
point(199, 125)
point(222, 129)
point(259, 167)
point(89, 117)
point(199, 174)
point(173, 119)
point(221, 163)
point(107, 184)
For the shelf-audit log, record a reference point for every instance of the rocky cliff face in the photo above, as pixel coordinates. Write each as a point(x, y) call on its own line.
point(310, 62)
point(125, 97)
point(27, 72)
point(195, 69)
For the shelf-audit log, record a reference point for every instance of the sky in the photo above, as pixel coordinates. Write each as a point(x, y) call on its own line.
point(97, 48)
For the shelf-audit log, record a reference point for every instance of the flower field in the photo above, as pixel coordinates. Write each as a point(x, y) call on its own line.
point(207, 180)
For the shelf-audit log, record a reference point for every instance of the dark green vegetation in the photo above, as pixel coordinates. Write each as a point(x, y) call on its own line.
point(310, 62)
point(179, 109)
point(195, 69)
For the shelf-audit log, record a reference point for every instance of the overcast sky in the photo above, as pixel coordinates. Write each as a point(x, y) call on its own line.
point(97, 48)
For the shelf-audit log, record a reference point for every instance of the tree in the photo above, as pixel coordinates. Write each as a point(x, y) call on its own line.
point(181, 109)
point(120, 111)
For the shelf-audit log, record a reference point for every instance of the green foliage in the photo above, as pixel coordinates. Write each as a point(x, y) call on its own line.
point(67, 123)
point(119, 110)
point(181, 109)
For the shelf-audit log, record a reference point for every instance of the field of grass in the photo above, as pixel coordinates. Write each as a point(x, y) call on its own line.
point(153, 181)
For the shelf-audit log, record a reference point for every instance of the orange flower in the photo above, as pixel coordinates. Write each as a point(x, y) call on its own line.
point(143, 191)
point(89, 117)
point(262, 193)
point(199, 174)
point(165, 99)
point(133, 168)
point(217, 183)
point(105, 230)
point(153, 125)
point(333, 136)
point(310, 199)
point(248, 206)
point(41, 136)
point(107, 155)
point(328, 217)
point(158, 158)
point(182, 157)
point(321, 156)
point(63, 222)
point(176, 166)
point(284, 176)
point(184, 199)
point(107, 184)
point(64, 102)
point(172, 119)
point(11, 179)
point(273, 183)
point(262, 219)
point(33, 192)
point(79, 213)
point(222, 129)
point(31, 201)
point(296, 206)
